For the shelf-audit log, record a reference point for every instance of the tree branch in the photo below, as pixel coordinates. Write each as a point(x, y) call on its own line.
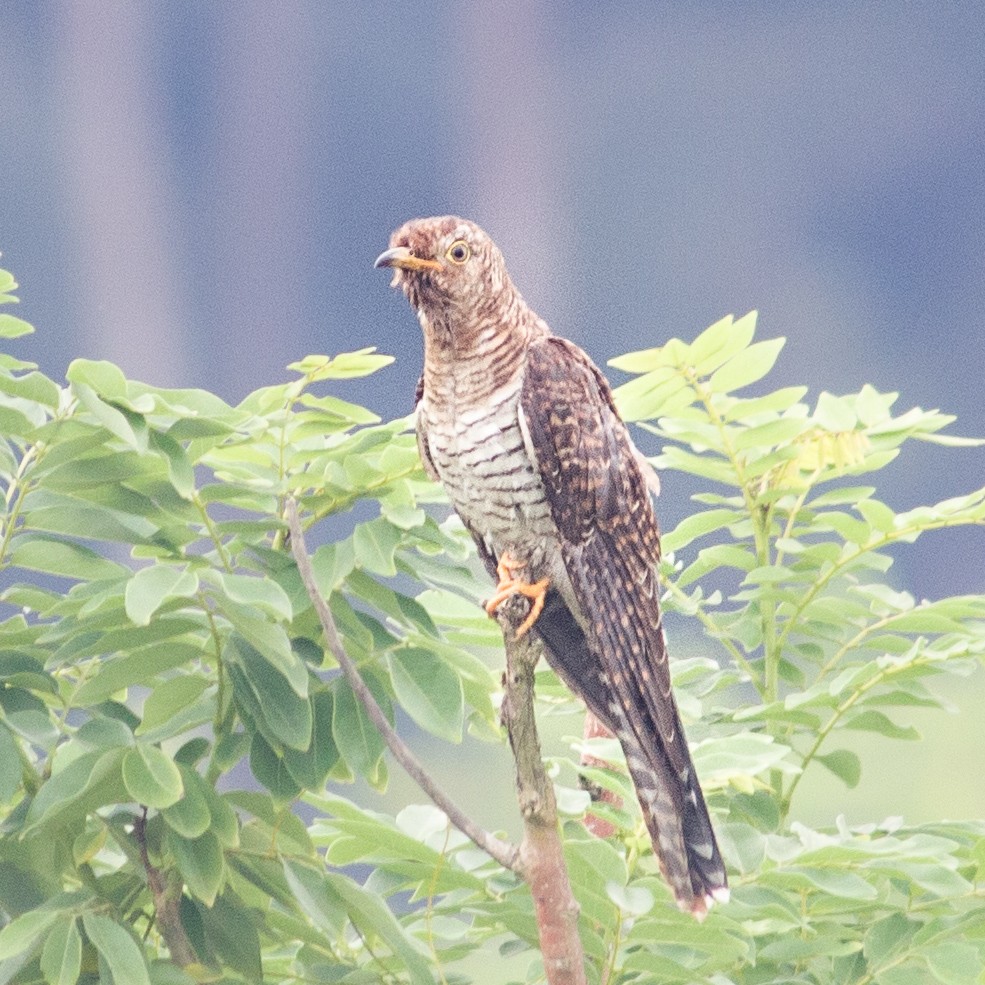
point(167, 902)
point(541, 856)
point(503, 852)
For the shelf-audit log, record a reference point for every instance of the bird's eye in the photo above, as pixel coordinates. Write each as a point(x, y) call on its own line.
point(459, 251)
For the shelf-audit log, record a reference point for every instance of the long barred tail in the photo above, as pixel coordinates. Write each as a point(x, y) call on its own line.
point(672, 803)
point(676, 816)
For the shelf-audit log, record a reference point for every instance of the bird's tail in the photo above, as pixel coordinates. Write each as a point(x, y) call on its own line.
point(671, 800)
point(676, 817)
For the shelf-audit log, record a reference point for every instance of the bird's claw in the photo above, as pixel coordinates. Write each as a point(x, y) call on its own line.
point(510, 584)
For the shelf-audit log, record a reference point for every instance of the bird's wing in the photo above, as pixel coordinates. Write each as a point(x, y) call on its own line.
point(600, 503)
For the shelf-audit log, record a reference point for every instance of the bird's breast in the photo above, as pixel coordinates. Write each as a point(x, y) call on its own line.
point(479, 454)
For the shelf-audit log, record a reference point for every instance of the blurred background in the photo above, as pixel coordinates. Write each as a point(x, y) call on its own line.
point(197, 192)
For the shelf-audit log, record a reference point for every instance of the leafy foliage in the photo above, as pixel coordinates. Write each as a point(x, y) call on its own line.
point(166, 698)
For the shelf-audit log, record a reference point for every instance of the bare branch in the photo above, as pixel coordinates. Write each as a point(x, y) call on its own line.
point(503, 852)
point(541, 856)
point(167, 901)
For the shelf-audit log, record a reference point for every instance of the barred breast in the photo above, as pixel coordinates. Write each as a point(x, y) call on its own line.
point(476, 446)
point(486, 471)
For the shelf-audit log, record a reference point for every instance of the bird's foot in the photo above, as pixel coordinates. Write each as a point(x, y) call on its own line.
point(511, 584)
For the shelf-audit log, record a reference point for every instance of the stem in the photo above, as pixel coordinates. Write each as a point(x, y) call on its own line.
point(889, 538)
point(838, 714)
point(213, 532)
point(761, 521)
point(503, 852)
point(13, 501)
point(760, 526)
point(345, 502)
point(713, 631)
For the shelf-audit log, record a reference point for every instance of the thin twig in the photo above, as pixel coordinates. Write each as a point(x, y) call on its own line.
point(503, 852)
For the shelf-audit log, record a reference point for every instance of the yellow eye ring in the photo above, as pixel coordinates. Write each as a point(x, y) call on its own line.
point(459, 251)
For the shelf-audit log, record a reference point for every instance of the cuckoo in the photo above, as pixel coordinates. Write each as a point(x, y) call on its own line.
point(519, 426)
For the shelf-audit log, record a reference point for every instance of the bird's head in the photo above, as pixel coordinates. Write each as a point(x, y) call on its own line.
point(444, 263)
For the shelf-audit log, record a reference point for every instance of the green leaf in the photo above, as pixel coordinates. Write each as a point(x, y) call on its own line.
point(257, 636)
point(887, 937)
point(873, 407)
point(311, 767)
point(835, 413)
point(270, 768)
point(954, 962)
point(720, 342)
point(877, 515)
point(834, 882)
point(61, 959)
point(357, 740)
point(936, 878)
point(657, 394)
point(52, 556)
point(634, 900)
point(748, 408)
point(10, 765)
point(259, 593)
point(151, 587)
point(87, 845)
point(138, 666)
point(190, 816)
point(374, 544)
point(332, 563)
point(875, 721)
point(77, 517)
point(341, 410)
point(275, 704)
point(179, 465)
point(717, 556)
point(25, 932)
point(699, 525)
point(348, 365)
point(373, 918)
point(87, 782)
point(230, 928)
point(200, 862)
point(769, 435)
point(151, 777)
point(225, 823)
point(315, 896)
point(429, 691)
point(13, 328)
point(117, 948)
point(747, 366)
point(844, 764)
point(34, 387)
point(169, 699)
point(103, 377)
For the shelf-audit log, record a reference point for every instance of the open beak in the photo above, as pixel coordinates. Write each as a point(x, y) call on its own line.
point(402, 258)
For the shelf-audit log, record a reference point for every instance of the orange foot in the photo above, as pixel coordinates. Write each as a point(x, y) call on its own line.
point(510, 585)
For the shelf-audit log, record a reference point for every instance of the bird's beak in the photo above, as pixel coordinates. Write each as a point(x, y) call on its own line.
point(402, 258)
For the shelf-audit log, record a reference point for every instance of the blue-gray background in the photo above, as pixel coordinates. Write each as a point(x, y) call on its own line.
point(197, 192)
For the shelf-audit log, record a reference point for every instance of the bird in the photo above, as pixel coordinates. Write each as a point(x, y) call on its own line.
point(520, 428)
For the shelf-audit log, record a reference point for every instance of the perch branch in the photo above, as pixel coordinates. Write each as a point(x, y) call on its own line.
point(503, 852)
point(541, 856)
